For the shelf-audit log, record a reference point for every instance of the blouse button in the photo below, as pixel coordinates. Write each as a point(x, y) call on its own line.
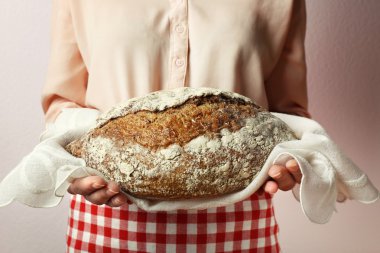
point(179, 28)
point(179, 62)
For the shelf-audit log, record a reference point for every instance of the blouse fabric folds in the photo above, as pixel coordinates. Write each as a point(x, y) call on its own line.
point(103, 52)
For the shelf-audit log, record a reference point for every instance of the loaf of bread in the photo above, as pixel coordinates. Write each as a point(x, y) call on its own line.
point(182, 143)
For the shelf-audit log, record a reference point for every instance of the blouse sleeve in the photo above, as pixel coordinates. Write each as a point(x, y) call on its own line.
point(66, 79)
point(286, 86)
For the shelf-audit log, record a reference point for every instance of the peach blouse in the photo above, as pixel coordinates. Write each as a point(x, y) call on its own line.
point(103, 52)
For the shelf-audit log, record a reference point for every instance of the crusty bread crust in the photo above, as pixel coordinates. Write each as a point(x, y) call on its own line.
point(178, 125)
point(210, 144)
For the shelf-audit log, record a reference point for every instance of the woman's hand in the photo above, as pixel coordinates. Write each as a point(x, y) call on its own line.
point(96, 190)
point(283, 177)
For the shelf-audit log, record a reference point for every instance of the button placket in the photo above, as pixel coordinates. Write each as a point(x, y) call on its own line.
point(178, 43)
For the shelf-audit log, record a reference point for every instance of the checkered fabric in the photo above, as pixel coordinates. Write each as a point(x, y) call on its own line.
point(246, 226)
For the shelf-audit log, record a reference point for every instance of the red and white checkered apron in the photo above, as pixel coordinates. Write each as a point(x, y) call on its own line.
point(246, 226)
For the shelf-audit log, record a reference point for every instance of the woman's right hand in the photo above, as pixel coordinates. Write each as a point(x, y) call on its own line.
point(96, 190)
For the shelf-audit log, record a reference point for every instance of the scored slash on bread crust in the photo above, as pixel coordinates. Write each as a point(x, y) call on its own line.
point(207, 143)
point(178, 125)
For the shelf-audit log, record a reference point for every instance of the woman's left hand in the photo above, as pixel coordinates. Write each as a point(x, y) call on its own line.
point(283, 177)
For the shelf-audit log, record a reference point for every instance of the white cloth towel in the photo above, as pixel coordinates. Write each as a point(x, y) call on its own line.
point(42, 177)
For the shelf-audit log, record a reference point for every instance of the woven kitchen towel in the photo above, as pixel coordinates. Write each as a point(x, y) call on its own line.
point(42, 177)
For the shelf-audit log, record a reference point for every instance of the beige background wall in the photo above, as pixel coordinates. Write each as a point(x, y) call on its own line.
point(343, 56)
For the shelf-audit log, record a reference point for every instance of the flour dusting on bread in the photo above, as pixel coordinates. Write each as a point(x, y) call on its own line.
point(154, 149)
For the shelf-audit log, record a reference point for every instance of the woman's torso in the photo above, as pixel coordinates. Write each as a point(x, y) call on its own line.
point(131, 48)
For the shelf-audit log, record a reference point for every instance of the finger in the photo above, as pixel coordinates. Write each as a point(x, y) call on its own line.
point(271, 187)
point(103, 195)
point(282, 177)
point(86, 185)
point(118, 200)
point(294, 169)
